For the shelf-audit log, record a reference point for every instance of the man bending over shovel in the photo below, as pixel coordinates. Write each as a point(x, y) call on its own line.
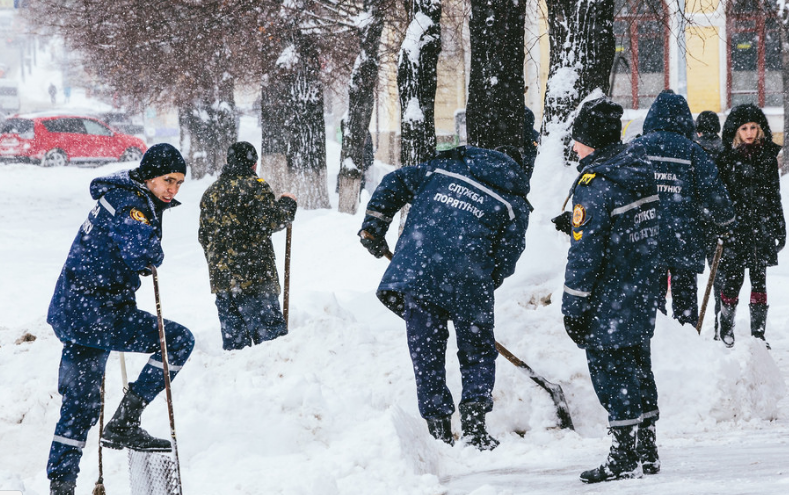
point(464, 233)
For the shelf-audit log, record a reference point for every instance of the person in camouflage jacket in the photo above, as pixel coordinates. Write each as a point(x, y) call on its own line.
point(238, 214)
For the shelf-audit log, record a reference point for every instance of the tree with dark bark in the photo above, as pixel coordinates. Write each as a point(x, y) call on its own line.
point(784, 10)
point(360, 106)
point(495, 109)
point(417, 80)
point(581, 34)
point(294, 134)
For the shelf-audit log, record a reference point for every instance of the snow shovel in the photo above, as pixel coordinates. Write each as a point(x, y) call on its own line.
point(713, 271)
point(153, 473)
point(286, 284)
point(555, 391)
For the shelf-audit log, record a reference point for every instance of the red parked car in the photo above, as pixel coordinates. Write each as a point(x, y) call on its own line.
point(57, 140)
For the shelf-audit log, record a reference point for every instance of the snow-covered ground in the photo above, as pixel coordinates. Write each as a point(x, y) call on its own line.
point(330, 409)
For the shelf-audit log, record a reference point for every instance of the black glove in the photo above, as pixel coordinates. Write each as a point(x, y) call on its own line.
point(726, 232)
point(780, 243)
point(577, 327)
point(145, 272)
point(376, 247)
point(564, 222)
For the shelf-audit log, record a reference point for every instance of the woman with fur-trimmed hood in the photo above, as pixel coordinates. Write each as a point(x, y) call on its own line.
point(749, 168)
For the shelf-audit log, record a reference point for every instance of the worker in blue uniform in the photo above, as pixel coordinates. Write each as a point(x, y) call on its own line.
point(464, 233)
point(93, 311)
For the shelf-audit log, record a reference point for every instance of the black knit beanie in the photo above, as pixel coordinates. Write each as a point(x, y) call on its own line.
point(160, 159)
point(708, 122)
point(598, 123)
point(241, 155)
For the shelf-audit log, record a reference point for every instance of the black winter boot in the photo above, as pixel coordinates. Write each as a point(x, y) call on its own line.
point(647, 448)
point(58, 487)
point(441, 429)
point(123, 430)
point(622, 461)
point(759, 321)
point(472, 420)
point(727, 323)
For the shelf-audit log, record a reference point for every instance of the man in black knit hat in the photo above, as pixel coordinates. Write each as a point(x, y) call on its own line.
point(238, 214)
point(610, 295)
point(94, 311)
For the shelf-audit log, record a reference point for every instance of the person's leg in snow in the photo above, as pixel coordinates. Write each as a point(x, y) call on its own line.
point(231, 323)
point(477, 356)
point(757, 272)
point(79, 383)
point(647, 440)
point(732, 276)
point(249, 318)
point(427, 332)
point(81, 372)
point(616, 376)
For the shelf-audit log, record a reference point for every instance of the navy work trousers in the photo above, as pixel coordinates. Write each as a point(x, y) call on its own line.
point(82, 370)
point(684, 296)
point(624, 383)
point(249, 318)
point(427, 330)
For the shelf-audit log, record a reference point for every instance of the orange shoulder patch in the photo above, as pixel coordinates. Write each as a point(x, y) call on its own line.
point(579, 215)
point(139, 216)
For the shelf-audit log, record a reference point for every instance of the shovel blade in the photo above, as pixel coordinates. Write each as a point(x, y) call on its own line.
point(153, 473)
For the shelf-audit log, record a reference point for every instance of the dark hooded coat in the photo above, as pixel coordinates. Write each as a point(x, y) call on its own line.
point(464, 233)
point(750, 173)
point(120, 238)
point(693, 199)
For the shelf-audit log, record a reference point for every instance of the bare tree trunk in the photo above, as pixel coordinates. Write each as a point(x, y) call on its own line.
point(306, 129)
point(581, 34)
point(416, 80)
point(785, 71)
point(273, 162)
point(360, 108)
point(207, 130)
point(293, 127)
point(495, 109)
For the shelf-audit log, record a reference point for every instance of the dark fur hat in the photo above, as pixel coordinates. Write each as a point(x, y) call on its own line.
point(742, 114)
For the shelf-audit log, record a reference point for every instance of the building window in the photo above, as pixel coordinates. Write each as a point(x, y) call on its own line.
point(640, 70)
point(754, 54)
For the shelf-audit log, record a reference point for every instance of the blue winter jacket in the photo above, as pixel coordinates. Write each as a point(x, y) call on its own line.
point(119, 239)
point(613, 258)
point(693, 199)
point(464, 232)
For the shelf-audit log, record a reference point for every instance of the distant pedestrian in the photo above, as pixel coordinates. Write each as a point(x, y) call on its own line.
point(708, 127)
point(67, 94)
point(53, 92)
point(238, 214)
point(691, 197)
point(531, 138)
point(464, 233)
point(749, 169)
